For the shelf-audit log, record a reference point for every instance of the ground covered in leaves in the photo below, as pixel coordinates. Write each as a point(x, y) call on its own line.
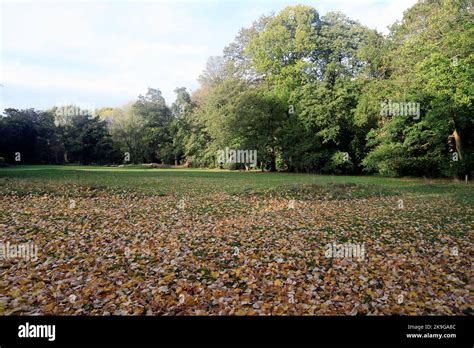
point(124, 250)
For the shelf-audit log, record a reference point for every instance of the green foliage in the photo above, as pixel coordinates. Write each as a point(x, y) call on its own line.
point(156, 133)
point(126, 128)
point(32, 134)
point(339, 163)
point(87, 141)
point(303, 90)
point(431, 63)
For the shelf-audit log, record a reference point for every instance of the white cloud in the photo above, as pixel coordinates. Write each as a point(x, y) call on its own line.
point(97, 53)
point(118, 49)
point(376, 14)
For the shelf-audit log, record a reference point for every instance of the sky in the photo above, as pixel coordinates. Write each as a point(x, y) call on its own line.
point(105, 53)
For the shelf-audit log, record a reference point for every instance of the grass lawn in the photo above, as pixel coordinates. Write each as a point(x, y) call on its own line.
point(190, 241)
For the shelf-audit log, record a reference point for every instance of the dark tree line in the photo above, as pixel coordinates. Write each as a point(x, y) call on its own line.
point(32, 137)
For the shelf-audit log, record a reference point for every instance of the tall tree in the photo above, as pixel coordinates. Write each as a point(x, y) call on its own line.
point(88, 141)
point(32, 134)
point(153, 109)
point(180, 126)
point(431, 63)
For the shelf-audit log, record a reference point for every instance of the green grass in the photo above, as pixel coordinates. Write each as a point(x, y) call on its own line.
point(41, 179)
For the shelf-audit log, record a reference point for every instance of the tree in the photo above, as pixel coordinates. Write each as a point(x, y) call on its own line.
point(87, 140)
point(127, 128)
point(32, 134)
point(157, 116)
point(180, 127)
point(315, 65)
point(284, 51)
point(431, 63)
point(218, 69)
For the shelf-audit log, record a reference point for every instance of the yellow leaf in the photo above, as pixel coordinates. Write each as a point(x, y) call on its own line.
point(168, 278)
point(15, 293)
point(49, 307)
point(39, 285)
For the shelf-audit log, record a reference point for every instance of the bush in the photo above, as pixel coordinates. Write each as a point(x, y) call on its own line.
point(386, 159)
point(339, 163)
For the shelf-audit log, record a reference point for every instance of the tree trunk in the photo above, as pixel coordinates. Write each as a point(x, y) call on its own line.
point(458, 143)
point(273, 161)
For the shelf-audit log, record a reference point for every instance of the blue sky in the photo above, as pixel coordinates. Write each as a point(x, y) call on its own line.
point(106, 53)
